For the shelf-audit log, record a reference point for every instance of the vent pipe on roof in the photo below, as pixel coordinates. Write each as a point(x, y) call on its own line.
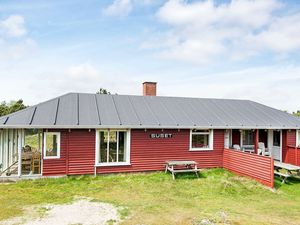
point(149, 88)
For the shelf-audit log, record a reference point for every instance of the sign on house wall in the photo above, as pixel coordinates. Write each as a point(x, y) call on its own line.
point(161, 136)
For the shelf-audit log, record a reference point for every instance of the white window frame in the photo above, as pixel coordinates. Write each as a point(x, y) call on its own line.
point(211, 140)
point(45, 145)
point(297, 138)
point(127, 150)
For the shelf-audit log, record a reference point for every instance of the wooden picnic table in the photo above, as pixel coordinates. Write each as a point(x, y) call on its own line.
point(185, 166)
point(291, 170)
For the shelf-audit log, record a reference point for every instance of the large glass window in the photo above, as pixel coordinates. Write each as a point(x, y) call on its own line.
point(51, 145)
point(248, 137)
point(113, 146)
point(276, 138)
point(201, 140)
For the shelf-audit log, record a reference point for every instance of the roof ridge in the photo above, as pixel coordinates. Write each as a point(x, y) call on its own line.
point(162, 96)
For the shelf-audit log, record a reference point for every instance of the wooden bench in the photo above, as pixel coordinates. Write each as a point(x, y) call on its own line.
point(190, 166)
point(285, 176)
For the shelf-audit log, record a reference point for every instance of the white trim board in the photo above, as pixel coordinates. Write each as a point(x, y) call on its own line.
point(127, 149)
point(211, 141)
point(45, 146)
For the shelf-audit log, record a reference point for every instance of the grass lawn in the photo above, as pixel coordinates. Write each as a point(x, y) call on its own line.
point(154, 198)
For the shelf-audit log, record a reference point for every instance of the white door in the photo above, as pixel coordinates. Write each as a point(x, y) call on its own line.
point(275, 144)
point(227, 139)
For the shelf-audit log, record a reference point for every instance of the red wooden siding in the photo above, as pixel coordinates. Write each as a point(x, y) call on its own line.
point(56, 167)
point(293, 155)
point(284, 143)
point(288, 147)
point(81, 152)
point(77, 154)
point(150, 154)
point(291, 137)
point(260, 168)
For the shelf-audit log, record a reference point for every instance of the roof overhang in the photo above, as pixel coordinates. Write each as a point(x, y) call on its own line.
point(145, 127)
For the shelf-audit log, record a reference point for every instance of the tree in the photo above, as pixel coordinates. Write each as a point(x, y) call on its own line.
point(103, 91)
point(11, 107)
point(297, 113)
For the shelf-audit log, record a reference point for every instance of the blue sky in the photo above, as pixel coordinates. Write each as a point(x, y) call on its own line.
point(221, 49)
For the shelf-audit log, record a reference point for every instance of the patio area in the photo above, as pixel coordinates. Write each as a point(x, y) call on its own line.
point(260, 153)
point(257, 141)
point(20, 152)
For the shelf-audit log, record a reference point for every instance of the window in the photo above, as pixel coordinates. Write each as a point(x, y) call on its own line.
point(113, 147)
point(298, 138)
point(248, 137)
point(201, 140)
point(276, 138)
point(51, 145)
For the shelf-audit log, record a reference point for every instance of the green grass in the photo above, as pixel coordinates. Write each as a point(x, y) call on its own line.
point(154, 198)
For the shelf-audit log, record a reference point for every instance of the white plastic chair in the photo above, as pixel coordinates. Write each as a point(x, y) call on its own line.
point(262, 150)
point(236, 147)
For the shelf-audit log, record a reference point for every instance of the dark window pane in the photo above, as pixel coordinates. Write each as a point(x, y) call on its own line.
point(122, 146)
point(103, 136)
point(51, 144)
point(248, 137)
point(200, 141)
point(113, 146)
point(276, 138)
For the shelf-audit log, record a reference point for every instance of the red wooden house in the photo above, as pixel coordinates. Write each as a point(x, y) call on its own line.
point(94, 134)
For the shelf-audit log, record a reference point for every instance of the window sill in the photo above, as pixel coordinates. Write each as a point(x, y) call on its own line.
point(200, 149)
point(112, 164)
point(49, 157)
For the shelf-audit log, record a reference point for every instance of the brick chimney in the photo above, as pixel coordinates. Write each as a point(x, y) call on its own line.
point(149, 88)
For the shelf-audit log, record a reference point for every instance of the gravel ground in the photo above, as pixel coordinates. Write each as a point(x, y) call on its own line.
point(81, 212)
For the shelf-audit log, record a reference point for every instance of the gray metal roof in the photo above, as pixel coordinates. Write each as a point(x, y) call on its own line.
point(78, 110)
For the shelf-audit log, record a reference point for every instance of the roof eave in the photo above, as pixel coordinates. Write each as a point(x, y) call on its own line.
point(143, 127)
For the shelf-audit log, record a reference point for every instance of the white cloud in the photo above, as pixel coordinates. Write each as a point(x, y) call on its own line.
point(18, 50)
point(13, 26)
point(119, 8)
point(83, 71)
point(282, 35)
point(276, 86)
point(203, 31)
point(14, 43)
point(204, 13)
point(122, 8)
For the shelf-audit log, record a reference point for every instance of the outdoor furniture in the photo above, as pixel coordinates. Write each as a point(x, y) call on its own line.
point(36, 162)
point(236, 147)
point(291, 170)
point(26, 162)
point(248, 148)
point(262, 150)
point(184, 167)
point(31, 162)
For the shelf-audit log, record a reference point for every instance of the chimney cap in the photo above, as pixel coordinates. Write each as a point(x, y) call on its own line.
point(149, 82)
